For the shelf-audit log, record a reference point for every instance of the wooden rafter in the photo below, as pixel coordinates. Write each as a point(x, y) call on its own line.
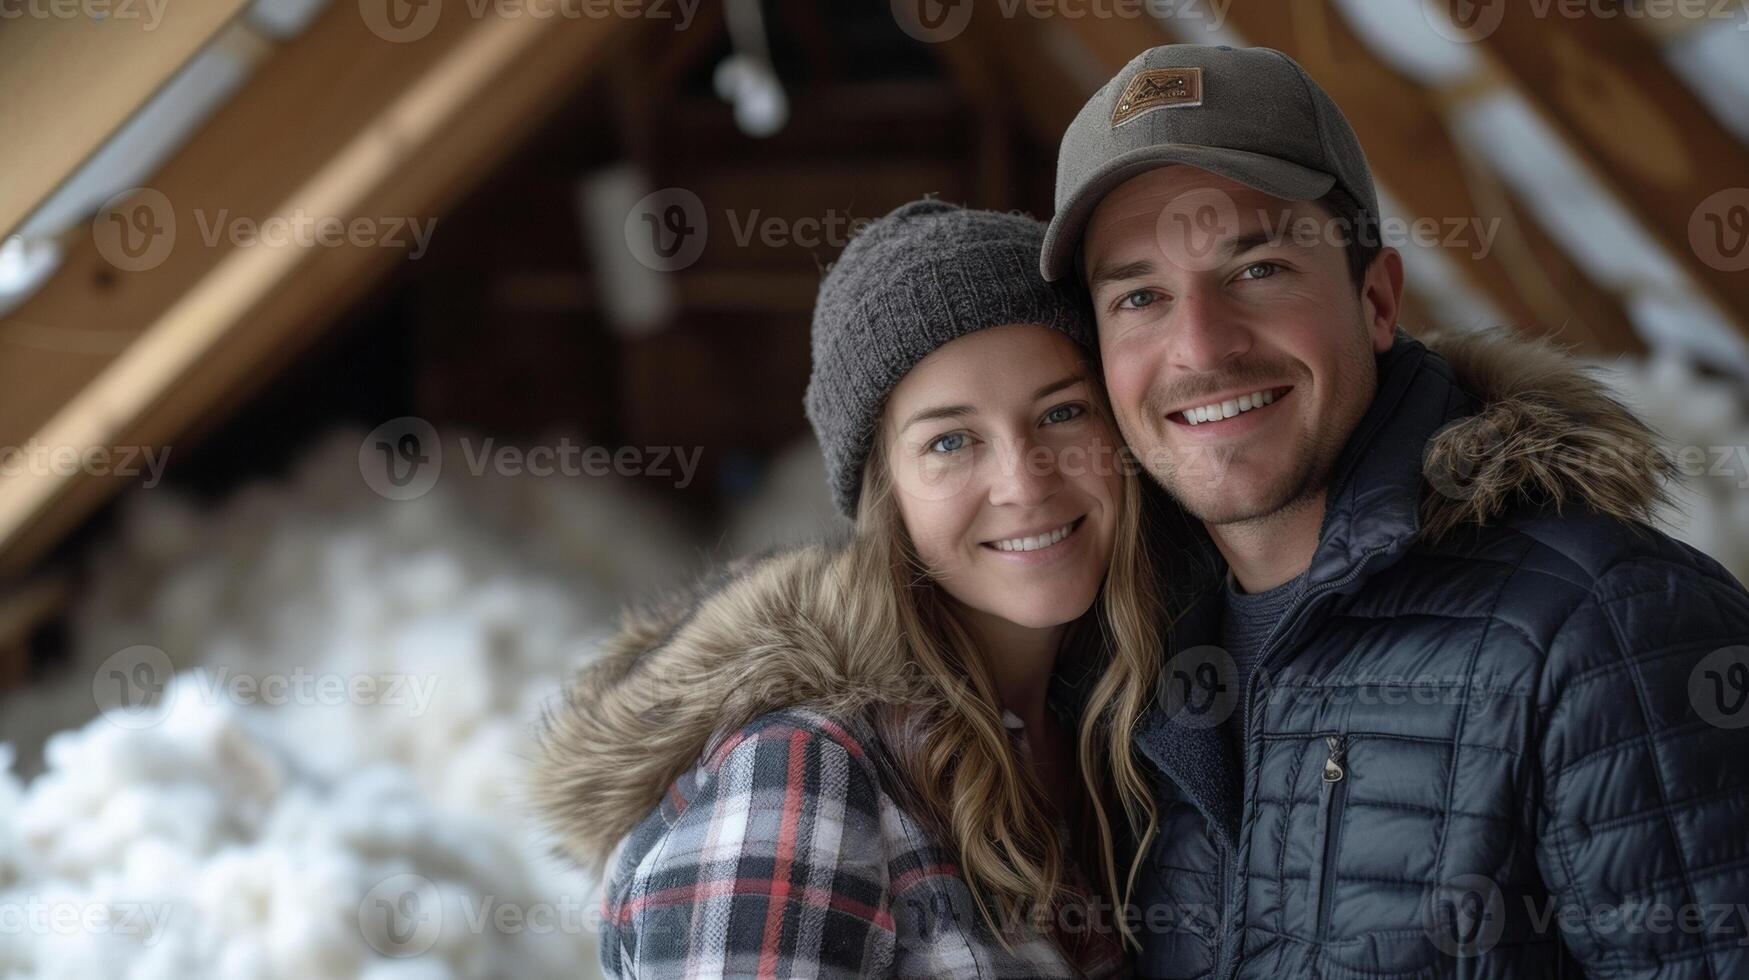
point(1412, 153)
point(72, 79)
point(383, 130)
point(1601, 83)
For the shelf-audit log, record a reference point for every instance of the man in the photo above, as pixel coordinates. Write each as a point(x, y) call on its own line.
point(1396, 738)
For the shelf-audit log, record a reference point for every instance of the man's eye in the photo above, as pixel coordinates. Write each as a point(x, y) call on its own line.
point(1062, 413)
point(1260, 270)
point(1137, 300)
point(951, 443)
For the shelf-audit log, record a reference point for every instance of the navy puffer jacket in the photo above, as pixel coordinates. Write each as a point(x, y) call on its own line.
point(1502, 734)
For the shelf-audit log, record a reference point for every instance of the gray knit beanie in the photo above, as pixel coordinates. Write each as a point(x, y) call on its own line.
point(928, 273)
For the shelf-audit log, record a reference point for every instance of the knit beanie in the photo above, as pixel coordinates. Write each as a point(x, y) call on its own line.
point(928, 273)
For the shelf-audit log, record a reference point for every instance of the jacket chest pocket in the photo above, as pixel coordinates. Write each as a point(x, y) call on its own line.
point(1347, 831)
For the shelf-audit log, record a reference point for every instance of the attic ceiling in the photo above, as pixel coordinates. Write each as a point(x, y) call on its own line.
point(1586, 153)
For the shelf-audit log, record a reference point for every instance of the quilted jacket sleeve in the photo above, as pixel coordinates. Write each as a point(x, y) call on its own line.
point(772, 866)
point(1644, 757)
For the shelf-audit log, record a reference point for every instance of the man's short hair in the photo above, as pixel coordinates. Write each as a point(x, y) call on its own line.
point(1362, 227)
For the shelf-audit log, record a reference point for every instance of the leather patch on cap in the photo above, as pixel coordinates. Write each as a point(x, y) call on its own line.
point(1158, 88)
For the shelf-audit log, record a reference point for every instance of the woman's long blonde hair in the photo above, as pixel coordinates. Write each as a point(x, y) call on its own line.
point(952, 748)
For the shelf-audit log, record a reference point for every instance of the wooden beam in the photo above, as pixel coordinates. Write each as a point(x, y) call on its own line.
point(1413, 155)
point(72, 79)
point(1603, 85)
point(386, 131)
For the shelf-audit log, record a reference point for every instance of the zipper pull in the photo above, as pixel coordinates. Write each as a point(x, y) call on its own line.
point(1333, 766)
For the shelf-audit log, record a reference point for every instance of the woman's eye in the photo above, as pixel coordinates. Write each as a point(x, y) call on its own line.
point(951, 443)
point(1260, 270)
point(1062, 413)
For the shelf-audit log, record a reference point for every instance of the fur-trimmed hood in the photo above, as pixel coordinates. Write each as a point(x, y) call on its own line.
point(789, 629)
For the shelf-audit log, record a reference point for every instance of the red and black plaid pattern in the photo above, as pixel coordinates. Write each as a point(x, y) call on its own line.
point(782, 856)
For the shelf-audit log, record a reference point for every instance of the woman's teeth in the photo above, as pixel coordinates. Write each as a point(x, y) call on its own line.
point(1229, 408)
point(1035, 542)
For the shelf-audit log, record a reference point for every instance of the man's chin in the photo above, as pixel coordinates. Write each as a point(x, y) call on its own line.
point(1223, 508)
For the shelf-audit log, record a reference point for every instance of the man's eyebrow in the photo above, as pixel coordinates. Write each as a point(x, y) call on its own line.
point(942, 412)
point(1105, 272)
point(1142, 268)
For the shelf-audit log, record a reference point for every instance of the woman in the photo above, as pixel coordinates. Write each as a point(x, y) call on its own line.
point(908, 754)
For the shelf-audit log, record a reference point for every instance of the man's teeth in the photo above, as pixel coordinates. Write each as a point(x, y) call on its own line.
point(1036, 542)
point(1228, 408)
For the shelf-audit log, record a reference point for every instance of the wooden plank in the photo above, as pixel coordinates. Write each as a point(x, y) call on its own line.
point(1602, 84)
point(1412, 153)
point(392, 130)
point(72, 79)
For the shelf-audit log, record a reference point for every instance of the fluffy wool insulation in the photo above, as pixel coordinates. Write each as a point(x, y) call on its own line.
point(310, 839)
point(281, 832)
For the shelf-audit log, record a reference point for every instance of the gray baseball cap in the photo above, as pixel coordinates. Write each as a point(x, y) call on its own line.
point(1249, 114)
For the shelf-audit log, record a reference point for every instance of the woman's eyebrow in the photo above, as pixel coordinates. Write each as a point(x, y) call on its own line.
point(1056, 386)
point(959, 411)
point(932, 414)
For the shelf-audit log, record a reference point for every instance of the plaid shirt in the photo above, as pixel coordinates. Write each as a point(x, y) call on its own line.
point(781, 855)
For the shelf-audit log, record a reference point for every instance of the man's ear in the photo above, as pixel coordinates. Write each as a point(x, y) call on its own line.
point(1381, 298)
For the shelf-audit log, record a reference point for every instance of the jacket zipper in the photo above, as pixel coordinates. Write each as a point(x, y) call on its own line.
point(1292, 620)
point(1335, 793)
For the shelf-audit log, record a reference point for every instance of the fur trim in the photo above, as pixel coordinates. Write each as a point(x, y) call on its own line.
point(1549, 435)
point(786, 630)
point(782, 631)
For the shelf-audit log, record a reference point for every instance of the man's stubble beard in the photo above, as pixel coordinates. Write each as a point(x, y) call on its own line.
point(1302, 484)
